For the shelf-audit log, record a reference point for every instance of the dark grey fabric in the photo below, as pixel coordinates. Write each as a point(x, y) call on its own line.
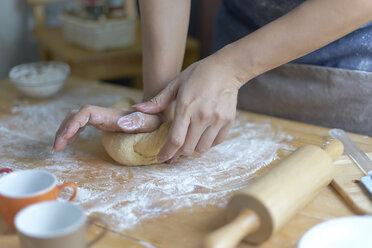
point(334, 98)
point(238, 18)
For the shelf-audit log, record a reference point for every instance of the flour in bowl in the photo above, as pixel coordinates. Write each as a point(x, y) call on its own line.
point(39, 73)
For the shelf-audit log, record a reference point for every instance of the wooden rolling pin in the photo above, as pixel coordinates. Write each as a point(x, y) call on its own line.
point(258, 211)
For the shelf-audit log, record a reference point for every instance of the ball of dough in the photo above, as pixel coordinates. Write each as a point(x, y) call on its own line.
point(135, 149)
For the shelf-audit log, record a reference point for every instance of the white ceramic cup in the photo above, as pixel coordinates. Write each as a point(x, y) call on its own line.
point(55, 224)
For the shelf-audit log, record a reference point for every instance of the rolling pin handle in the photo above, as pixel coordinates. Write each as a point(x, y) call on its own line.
point(334, 148)
point(229, 236)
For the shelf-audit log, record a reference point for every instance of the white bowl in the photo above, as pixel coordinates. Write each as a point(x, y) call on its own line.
point(343, 232)
point(39, 79)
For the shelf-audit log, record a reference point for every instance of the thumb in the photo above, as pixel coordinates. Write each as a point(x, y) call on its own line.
point(161, 101)
point(138, 122)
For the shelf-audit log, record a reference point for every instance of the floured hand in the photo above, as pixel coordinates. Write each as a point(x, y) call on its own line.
point(105, 119)
point(206, 97)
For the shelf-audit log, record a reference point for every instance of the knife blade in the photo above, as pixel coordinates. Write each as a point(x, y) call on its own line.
point(358, 156)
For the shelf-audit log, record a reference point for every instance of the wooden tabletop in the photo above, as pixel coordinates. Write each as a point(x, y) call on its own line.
point(185, 227)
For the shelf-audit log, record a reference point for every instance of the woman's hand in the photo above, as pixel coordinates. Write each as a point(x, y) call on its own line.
point(106, 119)
point(206, 97)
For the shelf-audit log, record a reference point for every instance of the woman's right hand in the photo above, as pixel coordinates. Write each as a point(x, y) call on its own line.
point(105, 119)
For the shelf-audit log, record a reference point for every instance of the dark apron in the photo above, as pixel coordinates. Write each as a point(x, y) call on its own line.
point(330, 97)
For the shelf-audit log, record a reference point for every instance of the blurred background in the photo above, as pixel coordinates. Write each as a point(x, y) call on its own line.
point(82, 32)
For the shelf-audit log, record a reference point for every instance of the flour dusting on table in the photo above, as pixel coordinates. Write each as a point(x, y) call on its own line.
point(130, 195)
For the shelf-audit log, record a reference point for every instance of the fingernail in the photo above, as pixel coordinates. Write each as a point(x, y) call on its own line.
point(142, 106)
point(139, 105)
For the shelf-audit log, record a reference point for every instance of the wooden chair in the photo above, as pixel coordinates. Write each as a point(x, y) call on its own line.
point(98, 65)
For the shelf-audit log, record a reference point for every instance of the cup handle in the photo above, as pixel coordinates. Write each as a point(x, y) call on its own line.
point(5, 170)
point(71, 185)
point(90, 222)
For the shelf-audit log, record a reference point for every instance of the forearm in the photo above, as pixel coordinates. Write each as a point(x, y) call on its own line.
point(164, 31)
point(310, 26)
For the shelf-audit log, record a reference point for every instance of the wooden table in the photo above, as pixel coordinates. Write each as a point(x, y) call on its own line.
point(185, 228)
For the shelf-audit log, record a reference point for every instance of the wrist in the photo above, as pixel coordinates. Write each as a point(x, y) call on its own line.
point(242, 67)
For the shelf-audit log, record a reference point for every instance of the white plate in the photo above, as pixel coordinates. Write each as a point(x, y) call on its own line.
point(346, 232)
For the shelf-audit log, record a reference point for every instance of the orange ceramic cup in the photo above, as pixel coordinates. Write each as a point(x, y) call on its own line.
point(23, 188)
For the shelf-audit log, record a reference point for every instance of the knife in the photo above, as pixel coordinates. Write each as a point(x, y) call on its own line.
point(358, 156)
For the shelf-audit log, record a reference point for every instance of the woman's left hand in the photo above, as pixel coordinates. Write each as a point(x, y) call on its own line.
point(206, 98)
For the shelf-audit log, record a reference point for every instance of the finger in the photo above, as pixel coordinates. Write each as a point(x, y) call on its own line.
point(161, 101)
point(222, 134)
point(172, 160)
point(193, 135)
point(59, 144)
point(78, 121)
point(176, 138)
point(74, 138)
point(99, 117)
point(207, 138)
point(62, 128)
point(58, 141)
point(106, 119)
point(138, 122)
point(62, 142)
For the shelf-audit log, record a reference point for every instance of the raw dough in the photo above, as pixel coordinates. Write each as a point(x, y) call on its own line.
point(135, 149)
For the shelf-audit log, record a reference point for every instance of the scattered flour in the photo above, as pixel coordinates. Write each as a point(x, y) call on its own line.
point(130, 195)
